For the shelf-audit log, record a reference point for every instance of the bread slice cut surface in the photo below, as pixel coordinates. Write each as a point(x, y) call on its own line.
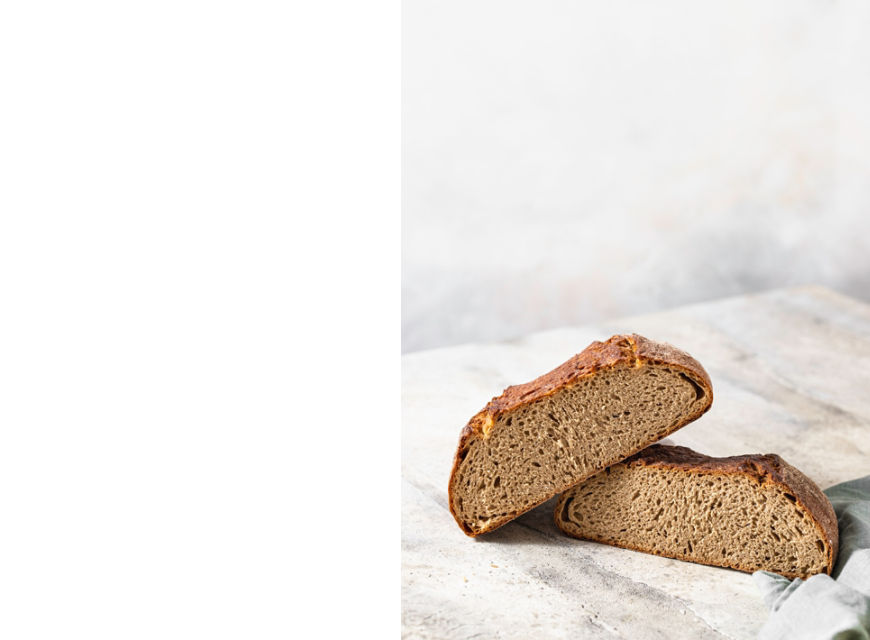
point(537, 439)
point(749, 513)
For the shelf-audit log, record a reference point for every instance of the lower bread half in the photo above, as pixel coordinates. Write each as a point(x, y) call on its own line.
point(744, 512)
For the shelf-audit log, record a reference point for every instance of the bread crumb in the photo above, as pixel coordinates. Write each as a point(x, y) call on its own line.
point(494, 566)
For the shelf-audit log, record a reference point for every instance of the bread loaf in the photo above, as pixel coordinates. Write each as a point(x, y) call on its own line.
point(745, 512)
point(537, 439)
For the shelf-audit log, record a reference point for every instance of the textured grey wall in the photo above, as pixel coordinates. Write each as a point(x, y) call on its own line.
point(566, 162)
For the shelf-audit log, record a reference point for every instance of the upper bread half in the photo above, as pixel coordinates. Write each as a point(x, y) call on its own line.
point(537, 439)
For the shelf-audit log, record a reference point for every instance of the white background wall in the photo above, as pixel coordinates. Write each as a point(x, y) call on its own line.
point(566, 162)
point(190, 194)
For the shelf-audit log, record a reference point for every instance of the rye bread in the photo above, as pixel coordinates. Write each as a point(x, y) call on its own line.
point(537, 439)
point(752, 512)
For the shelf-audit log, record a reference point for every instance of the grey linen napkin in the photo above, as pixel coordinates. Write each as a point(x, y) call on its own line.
point(835, 606)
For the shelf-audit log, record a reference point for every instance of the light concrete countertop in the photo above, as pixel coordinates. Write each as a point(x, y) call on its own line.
point(791, 375)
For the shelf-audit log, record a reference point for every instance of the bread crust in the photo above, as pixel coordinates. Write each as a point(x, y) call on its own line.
point(762, 467)
point(619, 350)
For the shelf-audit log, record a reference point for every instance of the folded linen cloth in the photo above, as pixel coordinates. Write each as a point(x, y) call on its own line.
point(835, 606)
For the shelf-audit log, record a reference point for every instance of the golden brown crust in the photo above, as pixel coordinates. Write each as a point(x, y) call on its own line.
point(763, 467)
point(619, 350)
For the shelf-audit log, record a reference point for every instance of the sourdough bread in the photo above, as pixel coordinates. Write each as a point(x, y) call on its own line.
point(745, 512)
point(601, 406)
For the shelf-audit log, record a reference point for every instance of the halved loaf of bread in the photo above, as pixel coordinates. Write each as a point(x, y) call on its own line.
point(537, 439)
point(744, 512)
